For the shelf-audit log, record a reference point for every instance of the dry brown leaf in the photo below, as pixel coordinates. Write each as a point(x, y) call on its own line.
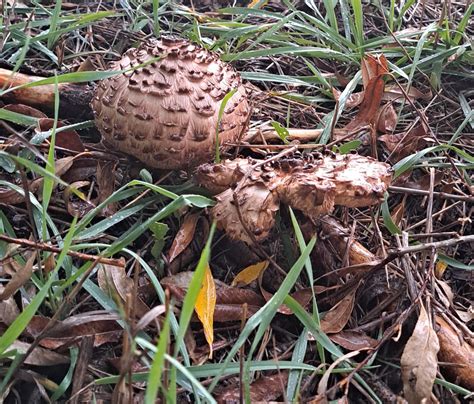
point(393, 93)
point(340, 240)
point(386, 120)
point(352, 101)
point(419, 362)
point(229, 300)
point(336, 319)
point(8, 310)
point(233, 312)
point(74, 205)
point(114, 280)
point(205, 305)
point(440, 268)
point(103, 327)
point(354, 340)
point(264, 390)
point(459, 355)
point(398, 212)
point(25, 110)
point(250, 274)
point(401, 145)
point(22, 276)
point(68, 139)
point(374, 68)
point(302, 296)
point(184, 236)
point(106, 185)
point(39, 356)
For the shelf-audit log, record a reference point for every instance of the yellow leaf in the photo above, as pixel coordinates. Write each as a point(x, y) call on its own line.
point(205, 305)
point(440, 268)
point(249, 274)
point(253, 3)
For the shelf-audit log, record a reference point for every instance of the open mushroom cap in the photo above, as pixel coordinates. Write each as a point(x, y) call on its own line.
point(165, 112)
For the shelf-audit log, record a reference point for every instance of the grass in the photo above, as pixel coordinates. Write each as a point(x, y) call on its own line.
point(293, 59)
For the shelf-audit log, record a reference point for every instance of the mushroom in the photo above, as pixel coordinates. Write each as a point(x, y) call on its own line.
point(164, 108)
point(313, 183)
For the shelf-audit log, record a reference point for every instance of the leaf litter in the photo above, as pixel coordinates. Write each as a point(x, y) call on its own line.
point(352, 292)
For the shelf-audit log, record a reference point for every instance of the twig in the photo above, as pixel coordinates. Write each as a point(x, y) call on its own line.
point(47, 247)
point(442, 195)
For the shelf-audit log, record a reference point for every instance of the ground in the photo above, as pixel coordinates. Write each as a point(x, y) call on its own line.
point(116, 285)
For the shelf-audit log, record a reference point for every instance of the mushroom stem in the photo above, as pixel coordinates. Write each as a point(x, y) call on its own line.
point(73, 97)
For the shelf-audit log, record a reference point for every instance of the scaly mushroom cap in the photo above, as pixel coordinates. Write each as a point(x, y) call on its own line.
point(166, 112)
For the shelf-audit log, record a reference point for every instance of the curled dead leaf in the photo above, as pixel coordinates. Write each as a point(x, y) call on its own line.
point(25, 110)
point(115, 281)
point(184, 236)
point(103, 327)
point(456, 353)
point(354, 340)
point(419, 362)
point(336, 319)
point(18, 279)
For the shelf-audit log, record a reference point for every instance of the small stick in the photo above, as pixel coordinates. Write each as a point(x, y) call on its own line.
point(442, 195)
point(75, 98)
point(46, 247)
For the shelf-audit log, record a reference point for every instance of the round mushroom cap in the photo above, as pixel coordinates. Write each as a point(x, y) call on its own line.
point(165, 113)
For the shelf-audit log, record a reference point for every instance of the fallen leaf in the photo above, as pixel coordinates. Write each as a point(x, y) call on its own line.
point(25, 110)
point(39, 356)
point(457, 353)
point(8, 310)
point(440, 268)
point(253, 3)
point(336, 319)
point(264, 390)
point(386, 120)
point(114, 280)
point(398, 212)
point(418, 362)
point(205, 305)
point(340, 241)
point(401, 145)
point(229, 300)
point(77, 206)
point(106, 185)
point(68, 139)
point(102, 326)
point(374, 68)
point(18, 279)
point(184, 236)
point(393, 93)
point(354, 340)
point(250, 274)
point(352, 101)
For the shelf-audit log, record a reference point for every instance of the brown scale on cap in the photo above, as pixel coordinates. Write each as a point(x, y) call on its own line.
point(166, 113)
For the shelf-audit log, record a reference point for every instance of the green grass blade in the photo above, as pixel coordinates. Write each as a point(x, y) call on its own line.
point(20, 323)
